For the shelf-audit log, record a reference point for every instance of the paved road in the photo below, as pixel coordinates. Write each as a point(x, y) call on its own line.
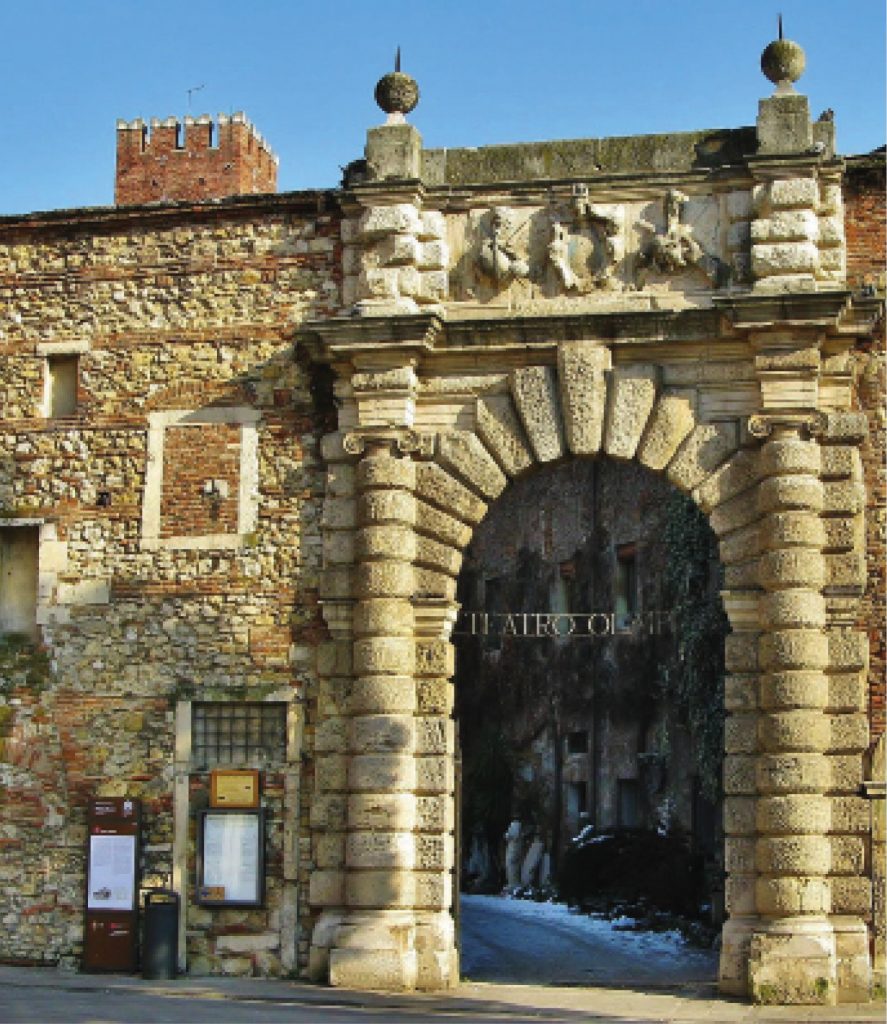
point(519, 941)
point(43, 996)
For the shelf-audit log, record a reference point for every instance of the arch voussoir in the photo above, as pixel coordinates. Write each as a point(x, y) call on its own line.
point(535, 393)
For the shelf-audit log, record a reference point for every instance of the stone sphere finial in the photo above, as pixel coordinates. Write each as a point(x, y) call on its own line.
point(783, 61)
point(397, 93)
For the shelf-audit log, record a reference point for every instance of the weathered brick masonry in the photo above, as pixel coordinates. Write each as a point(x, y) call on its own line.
point(171, 310)
point(866, 222)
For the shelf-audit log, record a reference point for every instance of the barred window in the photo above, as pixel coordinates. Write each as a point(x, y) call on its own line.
point(235, 734)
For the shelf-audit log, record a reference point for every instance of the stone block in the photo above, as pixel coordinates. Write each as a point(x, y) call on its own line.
point(382, 773)
point(435, 486)
point(331, 772)
point(741, 652)
point(382, 734)
point(784, 258)
point(328, 811)
point(443, 528)
point(798, 730)
point(434, 735)
point(707, 446)
point(369, 970)
point(384, 655)
point(785, 896)
point(792, 855)
point(849, 732)
point(434, 585)
point(395, 250)
point(799, 813)
point(380, 850)
point(790, 492)
point(739, 895)
point(383, 812)
point(435, 696)
point(786, 194)
point(738, 474)
point(393, 541)
point(386, 507)
point(739, 856)
point(844, 533)
point(434, 774)
point(848, 650)
point(795, 772)
point(845, 427)
point(434, 658)
point(847, 691)
point(793, 609)
point(843, 497)
point(462, 454)
point(846, 570)
point(739, 774)
point(380, 888)
point(535, 394)
point(383, 471)
point(847, 855)
point(326, 888)
point(670, 423)
point(433, 225)
point(794, 689)
point(329, 851)
point(383, 616)
point(381, 695)
point(792, 529)
point(792, 568)
point(500, 429)
point(850, 814)
point(793, 968)
point(384, 579)
point(793, 649)
point(338, 548)
point(851, 894)
point(632, 393)
point(734, 514)
point(440, 557)
point(583, 387)
point(330, 736)
point(740, 693)
point(740, 734)
point(786, 226)
point(740, 815)
point(379, 221)
point(435, 813)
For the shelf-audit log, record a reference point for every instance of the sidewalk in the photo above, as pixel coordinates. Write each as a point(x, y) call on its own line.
point(691, 1003)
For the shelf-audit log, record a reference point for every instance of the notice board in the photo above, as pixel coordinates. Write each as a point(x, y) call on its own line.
point(231, 858)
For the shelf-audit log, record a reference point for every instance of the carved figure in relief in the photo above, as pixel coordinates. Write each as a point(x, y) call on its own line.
point(498, 259)
point(675, 249)
point(583, 248)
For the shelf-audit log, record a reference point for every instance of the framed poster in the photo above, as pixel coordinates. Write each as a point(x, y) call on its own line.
point(112, 873)
point(231, 858)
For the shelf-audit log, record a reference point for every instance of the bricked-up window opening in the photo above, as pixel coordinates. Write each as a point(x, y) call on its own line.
point(625, 584)
point(61, 385)
point(577, 799)
point(18, 580)
point(577, 742)
point(238, 734)
point(627, 801)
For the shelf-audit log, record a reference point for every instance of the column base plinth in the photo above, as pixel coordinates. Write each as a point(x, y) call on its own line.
point(792, 961)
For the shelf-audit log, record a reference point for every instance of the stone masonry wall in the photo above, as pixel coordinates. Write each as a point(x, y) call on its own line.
point(172, 312)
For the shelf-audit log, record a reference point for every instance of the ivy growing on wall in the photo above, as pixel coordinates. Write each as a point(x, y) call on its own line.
point(692, 677)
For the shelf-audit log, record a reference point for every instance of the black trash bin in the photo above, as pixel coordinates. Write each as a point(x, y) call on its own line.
point(160, 945)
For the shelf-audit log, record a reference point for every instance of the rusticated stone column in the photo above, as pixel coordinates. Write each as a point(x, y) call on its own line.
point(374, 946)
point(792, 949)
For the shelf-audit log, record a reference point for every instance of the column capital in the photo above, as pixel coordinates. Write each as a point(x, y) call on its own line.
point(800, 424)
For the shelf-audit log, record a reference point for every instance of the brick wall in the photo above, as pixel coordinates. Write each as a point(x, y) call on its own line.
point(864, 199)
point(201, 480)
point(197, 159)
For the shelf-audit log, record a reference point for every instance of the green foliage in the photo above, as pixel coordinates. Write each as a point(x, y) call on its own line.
point(22, 663)
point(692, 677)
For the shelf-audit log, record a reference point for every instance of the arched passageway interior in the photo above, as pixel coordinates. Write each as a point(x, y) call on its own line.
point(589, 697)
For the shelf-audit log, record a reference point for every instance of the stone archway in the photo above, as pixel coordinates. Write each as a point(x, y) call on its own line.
point(781, 491)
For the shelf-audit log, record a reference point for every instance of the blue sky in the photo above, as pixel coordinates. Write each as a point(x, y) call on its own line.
point(489, 71)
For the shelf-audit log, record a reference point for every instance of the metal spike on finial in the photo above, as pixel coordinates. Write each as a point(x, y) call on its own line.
point(780, 25)
point(397, 59)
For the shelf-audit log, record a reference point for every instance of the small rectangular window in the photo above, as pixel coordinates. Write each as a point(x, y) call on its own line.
point(238, 734)
point(577, 742)
point(18, 579)
point(61, 385)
